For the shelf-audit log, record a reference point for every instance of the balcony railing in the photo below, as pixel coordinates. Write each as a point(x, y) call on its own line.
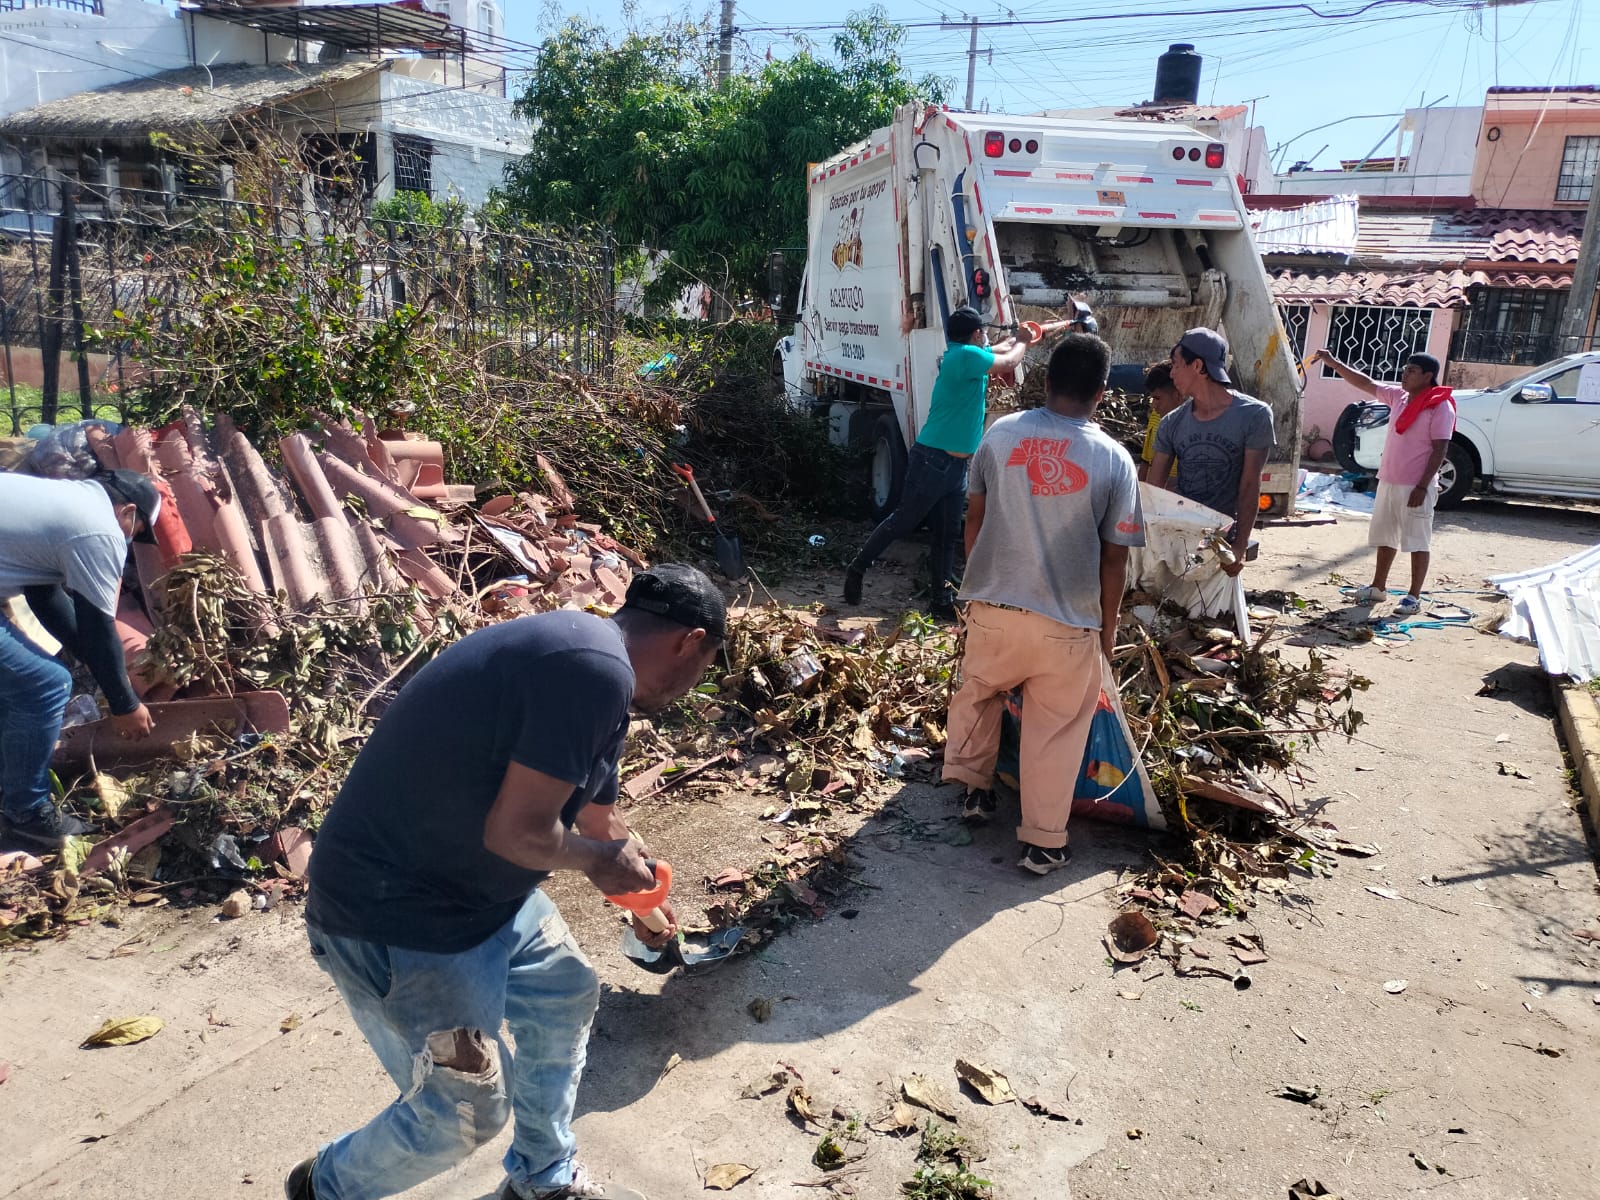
point(97, 7)
point(1495, 346)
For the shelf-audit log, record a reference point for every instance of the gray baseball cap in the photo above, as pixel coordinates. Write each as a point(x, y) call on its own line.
point(1211, 348)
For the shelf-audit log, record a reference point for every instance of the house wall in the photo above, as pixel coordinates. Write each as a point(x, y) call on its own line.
point(50, 53)
point(1439, 161)
point(474, 134)
point(1520, 143)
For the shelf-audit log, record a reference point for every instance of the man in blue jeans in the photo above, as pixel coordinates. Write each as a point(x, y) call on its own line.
point(63, 545)
point(936, 469)
point(495, 765)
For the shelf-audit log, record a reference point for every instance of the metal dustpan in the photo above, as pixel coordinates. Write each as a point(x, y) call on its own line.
point(692, 954)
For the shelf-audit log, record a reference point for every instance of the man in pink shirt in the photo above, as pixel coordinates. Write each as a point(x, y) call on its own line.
point(1422, 418)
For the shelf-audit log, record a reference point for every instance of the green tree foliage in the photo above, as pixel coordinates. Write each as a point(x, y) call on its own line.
point(637, 137)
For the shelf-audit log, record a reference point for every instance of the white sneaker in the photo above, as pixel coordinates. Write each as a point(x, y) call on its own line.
point(582, 1187)
point(1367, 594)
point(1409, 607)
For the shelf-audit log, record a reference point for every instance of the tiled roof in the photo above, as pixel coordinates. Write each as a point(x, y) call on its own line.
point(1523, 236)
point(1399, 289)
point(1536, 280)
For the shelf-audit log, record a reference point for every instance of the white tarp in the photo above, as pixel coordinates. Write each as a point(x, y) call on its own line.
point(1325, 493)
point(1176, 563)
point(1558, 606)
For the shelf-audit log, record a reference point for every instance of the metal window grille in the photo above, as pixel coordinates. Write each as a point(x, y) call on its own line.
point(1509, 325)
point(1377, 340)
point(1579, 158)
point(413, 165)
point(1295, 318)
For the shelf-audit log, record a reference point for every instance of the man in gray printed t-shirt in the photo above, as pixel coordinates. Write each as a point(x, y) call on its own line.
point(1052, 508)
point(1219, 437)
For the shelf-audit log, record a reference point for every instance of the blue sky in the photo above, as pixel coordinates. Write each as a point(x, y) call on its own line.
point(1306, 71)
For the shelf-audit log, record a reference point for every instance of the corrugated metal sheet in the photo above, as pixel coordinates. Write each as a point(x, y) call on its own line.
point(1323, 227)
point(1420, 239)
point(1558, 607)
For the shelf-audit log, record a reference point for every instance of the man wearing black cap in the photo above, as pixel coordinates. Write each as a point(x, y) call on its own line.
point(495, 765)
point(1219, 437)
point(63, 544)
point(936, 468)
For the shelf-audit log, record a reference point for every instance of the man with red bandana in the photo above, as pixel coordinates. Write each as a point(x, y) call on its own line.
point(1422, 420)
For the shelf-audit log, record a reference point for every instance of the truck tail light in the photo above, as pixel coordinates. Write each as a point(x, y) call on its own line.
point(980, 284)
point(994, 144)
point(1214, 154)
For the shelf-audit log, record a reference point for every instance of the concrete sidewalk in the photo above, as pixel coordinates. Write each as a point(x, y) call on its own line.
point(955, 953)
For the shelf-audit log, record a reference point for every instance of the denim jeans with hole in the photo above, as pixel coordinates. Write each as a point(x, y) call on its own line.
point(531, 974)
point(935, 486)
point(33, 698)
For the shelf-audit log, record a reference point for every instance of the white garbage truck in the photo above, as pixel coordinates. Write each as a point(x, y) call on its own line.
point(1017, 217)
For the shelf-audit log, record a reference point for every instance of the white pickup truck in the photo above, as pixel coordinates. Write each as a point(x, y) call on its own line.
point(1017, 216)
point(1538, 434)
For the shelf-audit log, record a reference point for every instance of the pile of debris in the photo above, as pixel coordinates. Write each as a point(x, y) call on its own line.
point(265, 641)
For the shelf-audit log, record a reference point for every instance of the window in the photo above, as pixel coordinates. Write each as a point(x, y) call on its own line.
point(1565, 385)
point(1377, 340)
point(413, 165)
point(1579, 159)
point(1509, 325)
point(1295, 318)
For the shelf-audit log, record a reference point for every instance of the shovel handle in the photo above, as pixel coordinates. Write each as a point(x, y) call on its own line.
point(687, 473)
point(655, 920)
point(644, 904)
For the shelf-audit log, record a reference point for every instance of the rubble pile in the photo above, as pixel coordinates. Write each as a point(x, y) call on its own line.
point(279, 609)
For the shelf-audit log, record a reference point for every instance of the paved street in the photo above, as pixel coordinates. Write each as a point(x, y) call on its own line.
point(1448, 1088)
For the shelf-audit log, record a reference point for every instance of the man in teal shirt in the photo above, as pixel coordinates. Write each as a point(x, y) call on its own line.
point(936, 468)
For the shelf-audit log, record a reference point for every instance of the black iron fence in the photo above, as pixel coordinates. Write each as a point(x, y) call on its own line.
point(1496, 346)
point(81, 267)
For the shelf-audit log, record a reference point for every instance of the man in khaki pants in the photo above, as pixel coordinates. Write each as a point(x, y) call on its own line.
point(1052, 508)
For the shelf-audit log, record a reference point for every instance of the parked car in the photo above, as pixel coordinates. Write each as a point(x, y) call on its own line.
point(1537, 434)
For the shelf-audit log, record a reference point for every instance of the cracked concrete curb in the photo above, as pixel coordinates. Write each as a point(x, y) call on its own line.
point(1580, 724)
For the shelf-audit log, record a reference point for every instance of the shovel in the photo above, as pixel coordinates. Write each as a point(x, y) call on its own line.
point(698, 955)
point(730, 555)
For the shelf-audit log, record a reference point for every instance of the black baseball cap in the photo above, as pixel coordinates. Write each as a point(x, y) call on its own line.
point(682, 594)
point(962, 323)
point(1211, 348)
point(131, 487)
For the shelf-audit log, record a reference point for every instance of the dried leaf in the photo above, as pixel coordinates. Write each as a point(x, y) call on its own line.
point(925, 1093)
point(774, 1082)
point(1386, 893)
point(124, 1031)
point(901, 1118)
point(760, 1008)
point(724, 1177)
point(111, 792)
point(673, 1063)
point(1297, 1033)
point(289, 1024)
point(1129, 995)
point(994, 1087)
point(1040, 1109)
point(1512, 770)
point(800, 1104)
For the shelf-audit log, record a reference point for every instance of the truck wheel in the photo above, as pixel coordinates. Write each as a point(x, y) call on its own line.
point(888, 466)
point(1456, 476)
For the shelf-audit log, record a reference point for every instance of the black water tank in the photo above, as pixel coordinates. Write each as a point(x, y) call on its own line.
point(1178, 75)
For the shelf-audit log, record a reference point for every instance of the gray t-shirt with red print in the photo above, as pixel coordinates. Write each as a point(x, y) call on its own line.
point(1056, 488)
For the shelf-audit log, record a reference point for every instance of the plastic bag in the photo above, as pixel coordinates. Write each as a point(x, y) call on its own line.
point(1111, 784)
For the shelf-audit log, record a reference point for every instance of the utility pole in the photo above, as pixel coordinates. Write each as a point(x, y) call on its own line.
point(1585, 277)
point(725, 44)
point(972, 24)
